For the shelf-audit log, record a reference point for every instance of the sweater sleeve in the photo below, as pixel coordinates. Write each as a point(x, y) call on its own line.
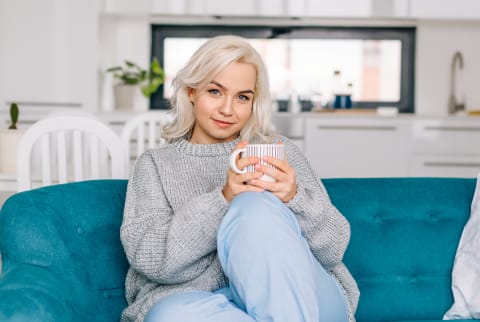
point(164, 246)
point(324, 227)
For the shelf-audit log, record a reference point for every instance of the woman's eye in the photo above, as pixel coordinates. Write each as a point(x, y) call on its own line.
point(243, 98)
point(214, 91)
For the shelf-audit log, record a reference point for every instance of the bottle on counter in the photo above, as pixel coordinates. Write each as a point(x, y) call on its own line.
point(348, 96)
point(337, 88)
point(342, 95)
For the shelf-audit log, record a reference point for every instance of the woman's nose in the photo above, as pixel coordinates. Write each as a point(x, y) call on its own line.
point(227, 106)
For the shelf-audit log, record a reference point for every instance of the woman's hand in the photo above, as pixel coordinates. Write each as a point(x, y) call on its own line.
point(237, 183)
point(285, 187)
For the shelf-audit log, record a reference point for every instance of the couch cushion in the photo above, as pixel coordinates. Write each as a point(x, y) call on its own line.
point(71, 232)
point(404, 236)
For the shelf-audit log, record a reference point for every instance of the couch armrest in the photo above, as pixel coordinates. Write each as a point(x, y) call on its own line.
point(32, 293)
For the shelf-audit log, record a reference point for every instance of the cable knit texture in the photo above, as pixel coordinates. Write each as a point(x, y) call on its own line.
point(174, 205)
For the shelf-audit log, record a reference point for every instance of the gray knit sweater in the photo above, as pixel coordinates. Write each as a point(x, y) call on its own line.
point(174, 205)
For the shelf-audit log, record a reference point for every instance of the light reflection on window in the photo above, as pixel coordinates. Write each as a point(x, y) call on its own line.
point(305, 67)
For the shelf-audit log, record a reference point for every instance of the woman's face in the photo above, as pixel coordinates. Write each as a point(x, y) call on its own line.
point(223, 107)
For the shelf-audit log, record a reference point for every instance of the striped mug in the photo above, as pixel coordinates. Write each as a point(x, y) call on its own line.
point(276, 151)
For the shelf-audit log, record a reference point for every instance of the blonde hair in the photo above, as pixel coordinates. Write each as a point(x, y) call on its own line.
point(211, 58)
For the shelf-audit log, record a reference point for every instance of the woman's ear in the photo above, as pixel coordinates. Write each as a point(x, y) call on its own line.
point(191, 94)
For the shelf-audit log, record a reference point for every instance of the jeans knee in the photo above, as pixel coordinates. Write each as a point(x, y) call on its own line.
point(177, 308)
point(256, 217)
point(253, 204)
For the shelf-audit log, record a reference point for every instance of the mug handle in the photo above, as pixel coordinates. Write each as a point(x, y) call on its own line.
point(233, 161)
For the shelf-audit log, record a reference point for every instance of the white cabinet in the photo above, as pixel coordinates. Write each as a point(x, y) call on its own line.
point(262, 8)
point(422, 9)
point(255, 8)
point(445, 9)
point(390, 8)
point(291, 126)
point(397, 147)
point(48, 52)
point(338, 8)
point(444, 165)
point(358, 147)
point(445, 148)
point(231, 8)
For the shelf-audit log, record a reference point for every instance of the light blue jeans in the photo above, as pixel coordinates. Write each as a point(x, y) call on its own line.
point(273, 275)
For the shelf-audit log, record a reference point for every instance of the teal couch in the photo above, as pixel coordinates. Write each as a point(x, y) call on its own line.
point(63, 261)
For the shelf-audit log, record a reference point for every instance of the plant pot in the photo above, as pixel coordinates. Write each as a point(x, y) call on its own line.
point(124, 96)
point(9, 141)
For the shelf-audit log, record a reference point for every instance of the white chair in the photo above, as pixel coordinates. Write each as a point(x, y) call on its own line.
point(143, 128)
point(78, 147)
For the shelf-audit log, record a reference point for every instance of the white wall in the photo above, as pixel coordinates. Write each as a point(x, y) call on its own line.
point(49, 51)
point(437, 41)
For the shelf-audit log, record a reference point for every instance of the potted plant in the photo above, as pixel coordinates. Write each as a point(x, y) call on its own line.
point(9, 141)
point(131, 79)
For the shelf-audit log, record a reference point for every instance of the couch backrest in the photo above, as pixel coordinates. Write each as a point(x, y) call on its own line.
point(405, 232)
point(72, 231)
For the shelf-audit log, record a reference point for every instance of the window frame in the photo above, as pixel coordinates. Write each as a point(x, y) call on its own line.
point(407, 36)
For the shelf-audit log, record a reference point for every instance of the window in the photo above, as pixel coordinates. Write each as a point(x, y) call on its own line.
point(376, 64)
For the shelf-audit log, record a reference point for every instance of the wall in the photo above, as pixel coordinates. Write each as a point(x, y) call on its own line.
point(437, 41)
point(49, 52)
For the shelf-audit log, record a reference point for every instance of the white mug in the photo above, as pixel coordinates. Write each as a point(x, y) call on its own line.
point(276, 151)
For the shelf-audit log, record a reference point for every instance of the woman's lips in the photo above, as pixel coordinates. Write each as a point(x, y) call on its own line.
point(222, 124)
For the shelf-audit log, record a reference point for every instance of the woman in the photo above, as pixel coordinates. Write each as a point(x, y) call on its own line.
point(205, 245)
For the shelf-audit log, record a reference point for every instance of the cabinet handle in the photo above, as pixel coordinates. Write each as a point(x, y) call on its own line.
point(452, 164)
point(357, 127)
point(453, 128)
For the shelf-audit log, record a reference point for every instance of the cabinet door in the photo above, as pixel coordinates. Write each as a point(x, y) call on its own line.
point(357, 147)
point(339, 8)
point(438, 9)
point(445, 148)
point(229, 8)
point(446, 136)
point(460, 166)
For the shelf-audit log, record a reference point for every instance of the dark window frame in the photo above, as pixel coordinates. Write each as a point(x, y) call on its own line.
point(406, 35)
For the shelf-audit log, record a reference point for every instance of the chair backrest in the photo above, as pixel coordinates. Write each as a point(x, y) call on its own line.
point(78, 147)
point(143, 132)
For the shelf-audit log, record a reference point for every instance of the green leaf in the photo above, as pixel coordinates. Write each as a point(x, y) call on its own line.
point(114, 69)
point(130, 64)
point(14, 115)
point(156, 68)
point(145, 91)
point(133, 74)
point(130, 80)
